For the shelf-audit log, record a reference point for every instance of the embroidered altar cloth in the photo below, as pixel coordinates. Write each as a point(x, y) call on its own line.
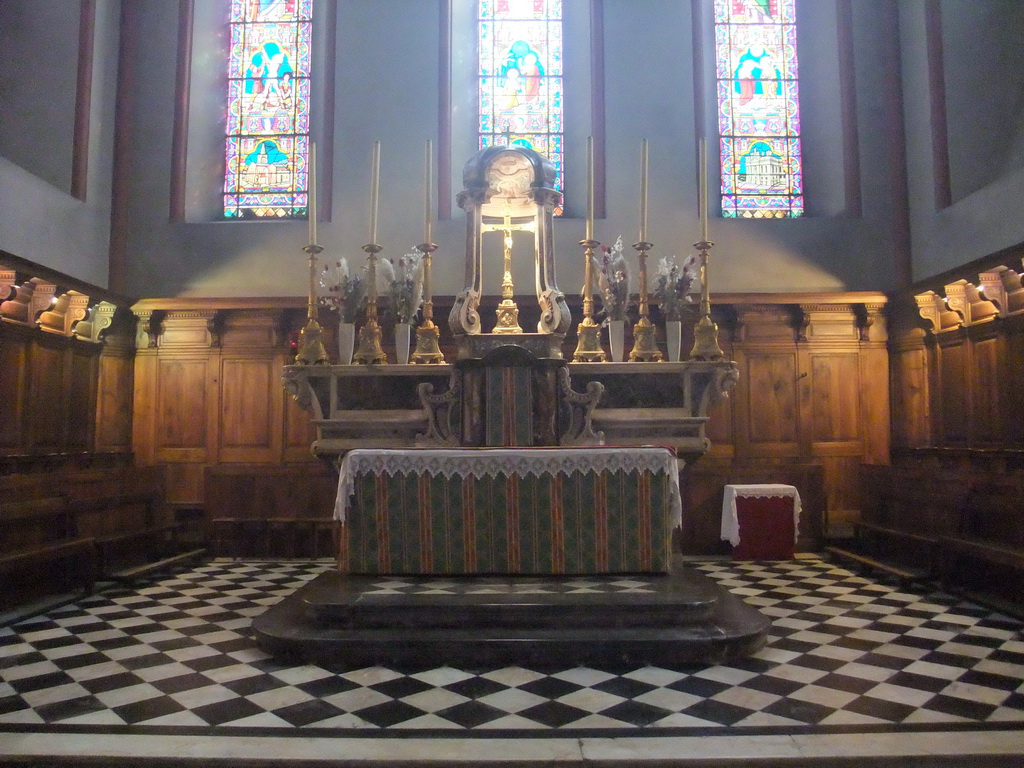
point(500, 510)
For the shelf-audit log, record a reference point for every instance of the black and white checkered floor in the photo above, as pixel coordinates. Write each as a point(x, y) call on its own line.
point(844, 652)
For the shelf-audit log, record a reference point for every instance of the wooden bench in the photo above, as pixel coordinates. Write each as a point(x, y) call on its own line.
point(42, 553)
point(132, 541)
point(987, 552)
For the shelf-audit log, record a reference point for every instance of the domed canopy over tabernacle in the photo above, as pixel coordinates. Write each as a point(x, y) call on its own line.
point(510, 189)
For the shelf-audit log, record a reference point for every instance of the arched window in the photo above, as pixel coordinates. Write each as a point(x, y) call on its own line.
point(758, 108)
point(267, 143)
point(520, 72)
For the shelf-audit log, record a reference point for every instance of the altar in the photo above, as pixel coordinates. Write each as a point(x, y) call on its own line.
point(510, 507)
point(544, 511)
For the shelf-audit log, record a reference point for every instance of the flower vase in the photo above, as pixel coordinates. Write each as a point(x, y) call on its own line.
point(346, 342)
point(403, 333)
point(616, 339)
point(673, 339)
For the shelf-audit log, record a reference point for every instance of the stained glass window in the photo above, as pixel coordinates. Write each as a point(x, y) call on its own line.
point(758, 108)
point(521, 76)
point(267, 144)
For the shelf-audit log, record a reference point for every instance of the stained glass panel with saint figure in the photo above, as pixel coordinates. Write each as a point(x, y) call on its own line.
point(267, 143)
point(521, 76)
point(758, 108)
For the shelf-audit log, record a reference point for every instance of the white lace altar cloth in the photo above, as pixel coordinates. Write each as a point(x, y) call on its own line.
point(730, 520)
point(488, 462)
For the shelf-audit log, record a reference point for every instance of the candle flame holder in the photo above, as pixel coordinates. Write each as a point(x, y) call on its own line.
point(705, 332)
point(427, 352)
point(588, 348)
point(370, 351)
point(311, 349)
point(644, 348)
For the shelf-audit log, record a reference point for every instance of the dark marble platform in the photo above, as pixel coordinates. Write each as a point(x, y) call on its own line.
point(350, 621)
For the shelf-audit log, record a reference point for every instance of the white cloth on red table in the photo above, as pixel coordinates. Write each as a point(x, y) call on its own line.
point(730, 519)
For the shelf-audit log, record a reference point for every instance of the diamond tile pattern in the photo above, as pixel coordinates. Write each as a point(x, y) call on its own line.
point(843, 650)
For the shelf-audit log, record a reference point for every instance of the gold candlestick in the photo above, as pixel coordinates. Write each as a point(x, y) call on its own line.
point(705, 332)
point(588, 347)
point(644, 348)
point(427, 350)
point(311, 346)
point(370, 351)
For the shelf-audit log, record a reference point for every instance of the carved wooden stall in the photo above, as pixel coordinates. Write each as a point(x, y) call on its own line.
point(951, 504)
point(74, 507)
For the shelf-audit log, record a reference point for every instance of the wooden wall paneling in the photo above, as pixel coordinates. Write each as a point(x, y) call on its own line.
point(1013, 383)
point(250, 409)
point(986, 383)
point(299, 432)
point(14, 343)
point(833, 379)
point(911, 395)
point(954, 388)
point(144, 406)
point(84, 373)
point(183, 403)
point(49, 382)
point(768, 419)
point(250, 391)
point(114, 401)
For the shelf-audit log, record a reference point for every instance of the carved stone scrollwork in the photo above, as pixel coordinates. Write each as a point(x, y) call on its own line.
point(7, 278)
point(62, 315)
point(931, 308)
point(98, 319)
point(150, 327)
point(443, 413)
point(576, 410)
point(965, 299)
point(297, 386)
point(29, 299)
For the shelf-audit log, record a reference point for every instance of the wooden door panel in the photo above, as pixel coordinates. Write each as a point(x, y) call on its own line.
point(955, 397)
point(835, 397)
point(771, 402)
point(48, 400)
point(181, 413)
point(13, 353)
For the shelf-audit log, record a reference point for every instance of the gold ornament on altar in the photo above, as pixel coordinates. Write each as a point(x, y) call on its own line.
point(428, 351)
point(311, 349)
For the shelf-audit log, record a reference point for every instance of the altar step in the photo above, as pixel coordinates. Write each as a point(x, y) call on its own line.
point(350, 621)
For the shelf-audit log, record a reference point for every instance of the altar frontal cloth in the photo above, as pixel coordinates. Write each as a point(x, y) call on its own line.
point(508, 511)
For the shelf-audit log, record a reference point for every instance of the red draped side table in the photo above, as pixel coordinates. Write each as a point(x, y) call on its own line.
point(761, 521)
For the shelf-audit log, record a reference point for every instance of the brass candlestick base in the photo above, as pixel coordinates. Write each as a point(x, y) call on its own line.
point(705, 340)
point(311, 349)
point(428, 352)
point(705, 332)
point(370, 351)
point(645, 350)
point(588, 349)
point(311, 345)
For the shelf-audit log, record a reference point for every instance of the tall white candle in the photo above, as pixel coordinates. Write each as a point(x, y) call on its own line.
point(643, 190)
point(311, 208)
point(703, 181)
point(590, 188)
point(428, 217)
point(374, 189)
